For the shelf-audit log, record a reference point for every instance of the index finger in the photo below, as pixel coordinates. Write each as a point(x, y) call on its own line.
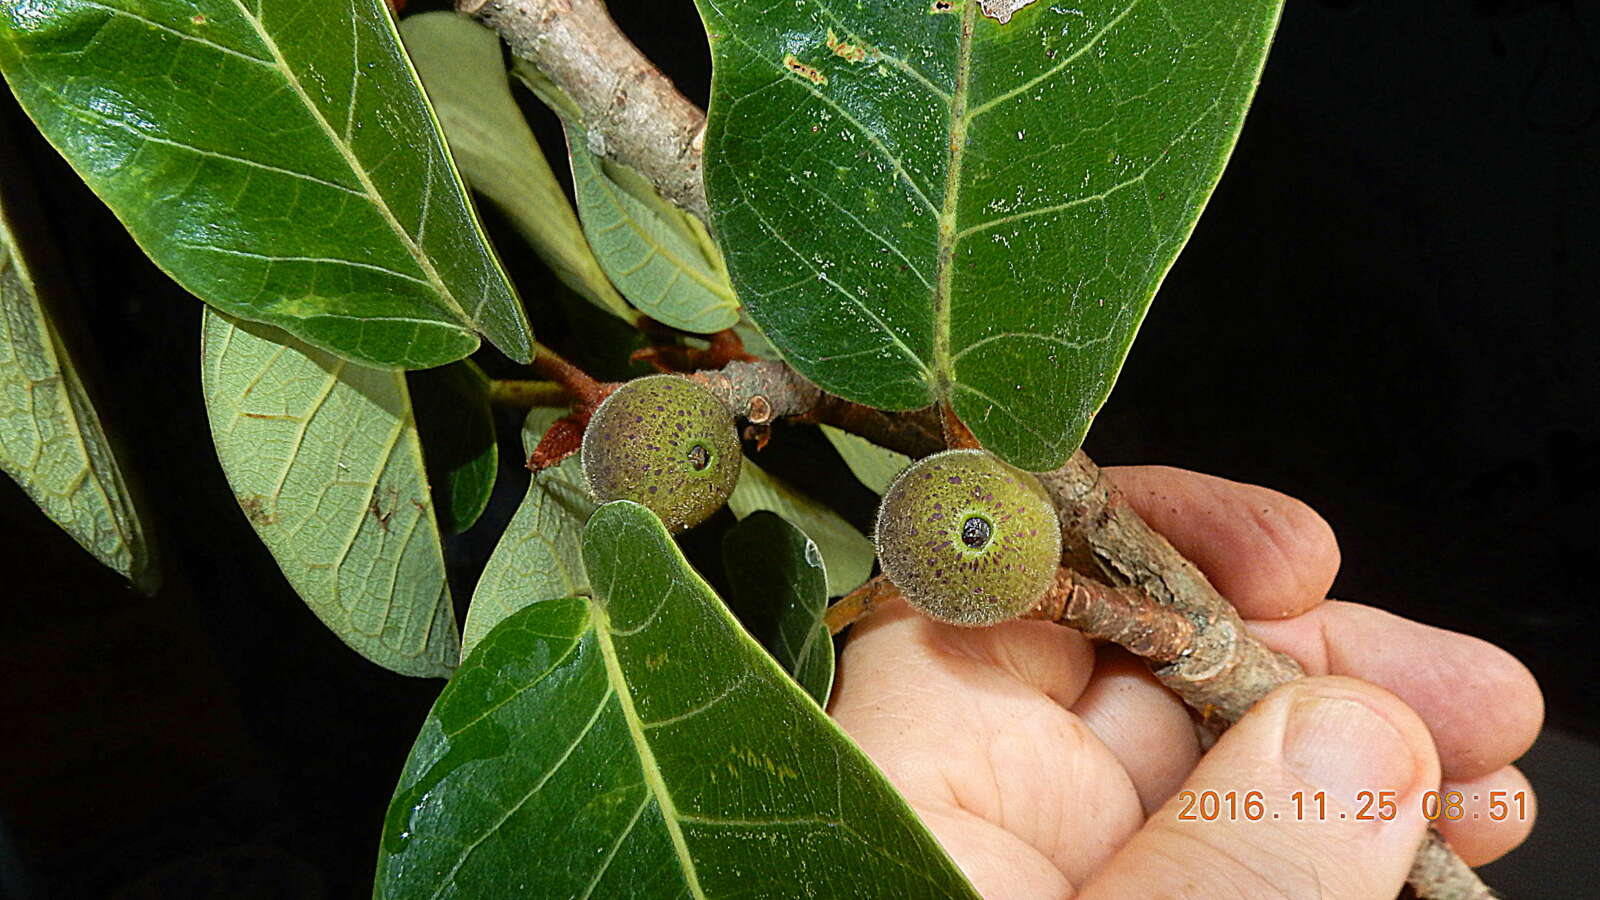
point(1271, 555)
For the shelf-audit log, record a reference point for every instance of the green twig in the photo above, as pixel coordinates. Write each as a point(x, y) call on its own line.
point(527, 394)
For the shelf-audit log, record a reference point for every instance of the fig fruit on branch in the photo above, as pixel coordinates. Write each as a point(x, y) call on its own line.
point(635, 116)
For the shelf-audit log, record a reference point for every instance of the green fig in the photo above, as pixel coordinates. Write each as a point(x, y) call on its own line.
point(968, 539)
point(666, 443)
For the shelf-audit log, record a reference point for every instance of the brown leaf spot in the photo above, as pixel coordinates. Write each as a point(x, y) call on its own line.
point(846, 50)
point(804, 71)
point(257, 509)
point(377, 511)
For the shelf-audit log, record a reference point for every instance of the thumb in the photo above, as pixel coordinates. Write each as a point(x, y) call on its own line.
point(1360, 762)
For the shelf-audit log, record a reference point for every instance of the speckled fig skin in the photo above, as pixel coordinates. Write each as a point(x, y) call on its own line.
point(968, 539)
point(666, 443)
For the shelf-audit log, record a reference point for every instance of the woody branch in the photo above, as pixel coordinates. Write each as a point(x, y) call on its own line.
point(1120, 576)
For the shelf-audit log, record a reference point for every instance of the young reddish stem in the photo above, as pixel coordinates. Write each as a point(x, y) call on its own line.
point(585, 392)
point(1123, 615)
point(668, 356)
point(565, 436)
point(726, 347)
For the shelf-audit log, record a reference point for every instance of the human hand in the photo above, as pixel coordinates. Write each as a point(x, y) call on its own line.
point(1049, 768)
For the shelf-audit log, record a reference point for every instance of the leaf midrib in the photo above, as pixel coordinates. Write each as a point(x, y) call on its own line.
point(943, 367)
point(11, 262)
point(356, 167)
point(647, 758)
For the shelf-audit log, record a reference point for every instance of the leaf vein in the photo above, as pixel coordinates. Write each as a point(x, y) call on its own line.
point(1022, 335)
point(896, 61)
point(647, 760)
point(1021, 422)
point(1070, 58)
point(787, 77)
point(361, 520)
point(370, 190)
point(193, 38)
point(270, 258)
point(625, 219)
point(103, 119)
point(1092, 198)
point(355, 77)
point(468, 850)
point(305, 424)
point(875, 235)
point(605, 864)
point(899, 342)
point(722, 695)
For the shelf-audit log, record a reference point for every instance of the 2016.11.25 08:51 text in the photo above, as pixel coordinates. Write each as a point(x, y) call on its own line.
point(1256, 806)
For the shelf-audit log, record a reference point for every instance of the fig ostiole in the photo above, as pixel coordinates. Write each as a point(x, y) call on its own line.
point(666, 443)
point(968, 539)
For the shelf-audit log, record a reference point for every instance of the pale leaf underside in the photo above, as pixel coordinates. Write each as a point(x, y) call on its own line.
point(324, 458)
point(540, 556)
point(51, 439)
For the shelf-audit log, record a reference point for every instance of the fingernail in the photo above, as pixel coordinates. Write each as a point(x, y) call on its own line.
point(1344, 746)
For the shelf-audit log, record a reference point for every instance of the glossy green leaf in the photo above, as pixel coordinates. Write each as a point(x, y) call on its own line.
point(51, 439)
point(780, 591)
point(277, 159)
point(324, 458)
point(848, 553)
point(660, 257)
point(643, 746)
point(451, 405)
point(463, 67)
point(873, 466)
point(540, 555)
point(920, 203)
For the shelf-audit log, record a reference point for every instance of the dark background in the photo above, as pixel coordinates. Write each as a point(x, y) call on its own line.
point(1387, 310)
